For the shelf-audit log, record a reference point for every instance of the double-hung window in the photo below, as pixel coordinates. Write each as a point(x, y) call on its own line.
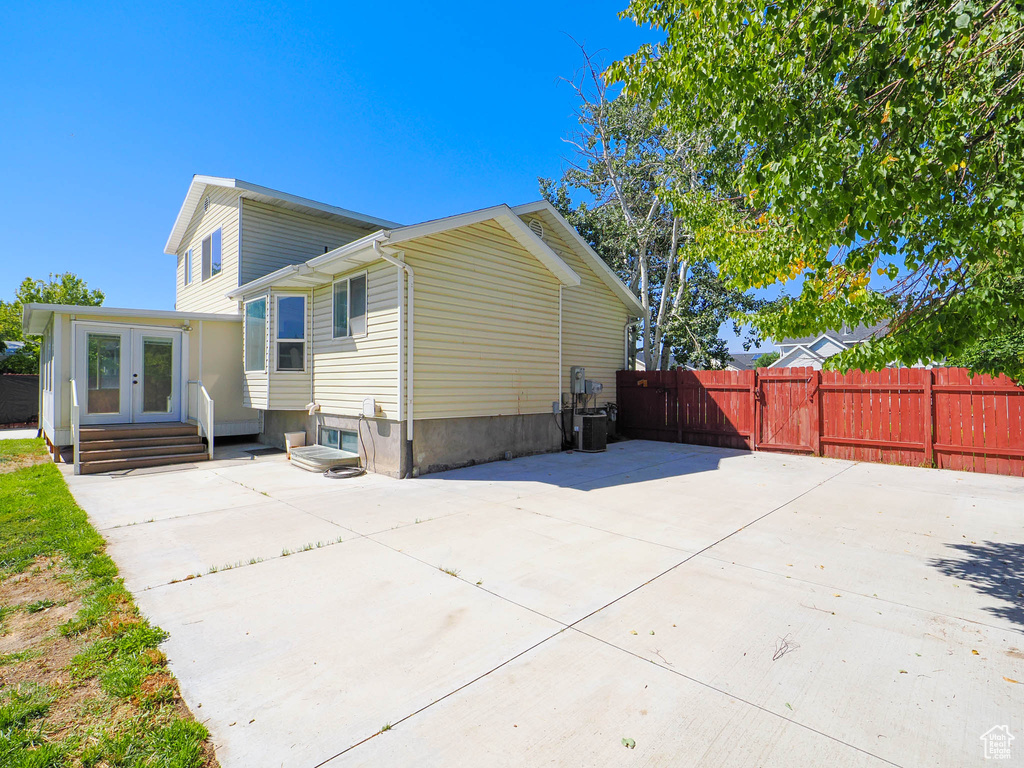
point(188, 266)
point(350, 306)
point(211, 255)
point(291, 333)
point(256, 335)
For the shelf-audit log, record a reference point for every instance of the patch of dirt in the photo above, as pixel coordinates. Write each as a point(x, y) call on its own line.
point(14, 463)
point(80, 707)
point(45, 581)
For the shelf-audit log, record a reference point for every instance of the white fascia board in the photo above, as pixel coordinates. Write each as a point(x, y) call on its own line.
point(830, 338)
point(200, 182)
point(508, 221)
point(36, 316)
point(603, 271)
point(796, 348)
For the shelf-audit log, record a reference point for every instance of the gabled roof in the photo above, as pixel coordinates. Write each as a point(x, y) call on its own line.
point(601, 269)
point(319, 270)
point(197, 190)
point(845, 336)
point(788, 353)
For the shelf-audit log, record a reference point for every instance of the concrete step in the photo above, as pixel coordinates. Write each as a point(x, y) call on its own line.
point(131, 452)
point(136, 431)
point(140, 442)
point(114, 465)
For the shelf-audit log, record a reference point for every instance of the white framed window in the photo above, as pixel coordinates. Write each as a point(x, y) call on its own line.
point(349, 306)
point(188, 266)
point(255, 332)
point(290, 336)
point(212, 254)
point(342, 439)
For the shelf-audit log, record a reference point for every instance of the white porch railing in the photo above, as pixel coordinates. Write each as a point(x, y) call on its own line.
point(204, 415)
point(76, 425)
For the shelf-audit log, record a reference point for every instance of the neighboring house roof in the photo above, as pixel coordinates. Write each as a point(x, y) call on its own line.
point(197, 189)
point(35, 317)
point(845, 336)
point(794, 352)
point(11, 347)
point(744, 361)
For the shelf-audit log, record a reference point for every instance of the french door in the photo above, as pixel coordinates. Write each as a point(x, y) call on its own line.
point(128, 374)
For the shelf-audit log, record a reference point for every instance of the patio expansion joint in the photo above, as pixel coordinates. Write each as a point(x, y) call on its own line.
point(573, 626)
point(836, 588)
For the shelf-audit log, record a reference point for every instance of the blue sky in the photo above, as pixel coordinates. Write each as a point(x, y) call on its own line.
point(408, 111)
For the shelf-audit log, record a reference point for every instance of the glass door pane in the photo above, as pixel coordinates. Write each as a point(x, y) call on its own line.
point(157, 374)
point(103, 359)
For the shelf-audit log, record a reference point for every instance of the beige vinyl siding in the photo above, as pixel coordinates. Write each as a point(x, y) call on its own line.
point(347, 370)
point(592, 316)
point(486, 325)
point(275, 237)
point(209, 295)
point(287, 390)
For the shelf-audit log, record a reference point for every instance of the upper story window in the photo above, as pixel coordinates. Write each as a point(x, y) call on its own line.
point(291, 333)
point(350, 307)
point(211, 255)
point(256, 335)
point(188, 266)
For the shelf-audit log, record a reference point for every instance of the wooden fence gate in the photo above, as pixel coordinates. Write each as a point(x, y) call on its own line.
point(941, 417)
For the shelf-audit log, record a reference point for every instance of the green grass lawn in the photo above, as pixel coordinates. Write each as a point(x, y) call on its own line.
point(85, 683)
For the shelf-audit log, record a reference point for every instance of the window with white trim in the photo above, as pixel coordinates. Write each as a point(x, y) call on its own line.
point(212, 254)
point(290, 323)
point(255, 341)
point(350, 306)
point(188, 266)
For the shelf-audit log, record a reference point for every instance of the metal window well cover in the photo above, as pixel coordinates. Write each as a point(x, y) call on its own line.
point(318, 458)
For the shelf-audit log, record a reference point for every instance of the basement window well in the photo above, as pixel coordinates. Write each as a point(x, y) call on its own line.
point(342, 439)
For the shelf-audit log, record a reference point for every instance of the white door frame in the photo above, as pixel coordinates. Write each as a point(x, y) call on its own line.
point(130, 394)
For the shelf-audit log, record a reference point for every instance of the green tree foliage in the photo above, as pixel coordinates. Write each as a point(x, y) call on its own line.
point(651, 189)
point(64, 288)
point(763, 361)
point(883, 159)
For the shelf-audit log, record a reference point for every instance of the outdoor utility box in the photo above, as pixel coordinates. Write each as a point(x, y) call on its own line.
point(592, 436)
point(577, 379)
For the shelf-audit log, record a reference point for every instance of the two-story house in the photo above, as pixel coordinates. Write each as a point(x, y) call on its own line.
point(419, 347)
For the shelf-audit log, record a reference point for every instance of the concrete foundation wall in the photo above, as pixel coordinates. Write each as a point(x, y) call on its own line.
point(441, 444)
point(438, 444)
point(382, 447)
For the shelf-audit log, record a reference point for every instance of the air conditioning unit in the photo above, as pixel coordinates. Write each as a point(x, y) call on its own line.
point(591, 432)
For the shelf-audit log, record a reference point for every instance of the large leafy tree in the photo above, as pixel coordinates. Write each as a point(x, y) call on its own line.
point(650, 189)
point(64, 288)
point(883, 159)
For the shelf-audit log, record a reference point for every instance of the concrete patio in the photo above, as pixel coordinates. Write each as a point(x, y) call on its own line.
point(715, 607)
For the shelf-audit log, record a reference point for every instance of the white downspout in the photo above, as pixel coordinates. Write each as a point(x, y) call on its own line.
point(409, 335)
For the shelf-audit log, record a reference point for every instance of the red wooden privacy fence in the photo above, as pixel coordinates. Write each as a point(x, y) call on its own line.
point(941, 417)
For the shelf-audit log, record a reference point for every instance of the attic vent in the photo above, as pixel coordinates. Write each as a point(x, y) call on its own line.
point(206, 204)
point(537, 227)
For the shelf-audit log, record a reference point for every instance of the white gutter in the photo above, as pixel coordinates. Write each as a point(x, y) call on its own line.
point(409, 336)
